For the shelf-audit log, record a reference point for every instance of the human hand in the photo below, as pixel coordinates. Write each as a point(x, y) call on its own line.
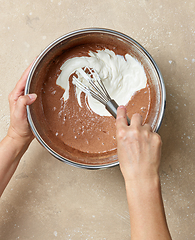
point(19, 128)
point(138, 148)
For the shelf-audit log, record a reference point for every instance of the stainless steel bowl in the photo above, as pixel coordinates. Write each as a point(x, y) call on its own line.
point(71, 40)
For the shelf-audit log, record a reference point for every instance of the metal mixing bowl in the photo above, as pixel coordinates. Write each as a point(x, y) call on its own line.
point(70, 40)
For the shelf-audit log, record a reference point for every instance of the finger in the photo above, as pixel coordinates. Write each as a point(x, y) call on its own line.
point(20, 86)
point(121, 119)
point(136, 120)
point(148, 127)
point(22, 102)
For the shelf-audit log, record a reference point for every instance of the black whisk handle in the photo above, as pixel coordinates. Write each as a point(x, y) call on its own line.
point(112, 106)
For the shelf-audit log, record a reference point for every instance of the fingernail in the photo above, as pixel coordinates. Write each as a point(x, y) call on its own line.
point(32, 96)
point(121, 106)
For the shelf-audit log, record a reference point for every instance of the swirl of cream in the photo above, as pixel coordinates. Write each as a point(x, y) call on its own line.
point(122, 77)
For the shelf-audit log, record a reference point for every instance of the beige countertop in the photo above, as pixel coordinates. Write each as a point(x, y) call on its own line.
point(48, 199)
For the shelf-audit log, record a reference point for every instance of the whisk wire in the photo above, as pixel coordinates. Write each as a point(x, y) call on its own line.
point(80, 85)
point(98, 97)
point(89, 91)
point(104, 89)
point(97, 79)
point(96, 84)
point(96, 89)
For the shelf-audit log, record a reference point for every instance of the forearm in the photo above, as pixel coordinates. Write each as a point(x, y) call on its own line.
point(11, 151)
point(147, 217)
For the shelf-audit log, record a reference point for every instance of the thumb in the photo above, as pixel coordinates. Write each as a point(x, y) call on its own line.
point(121, 119)
point(32, 97)
point(22, 102)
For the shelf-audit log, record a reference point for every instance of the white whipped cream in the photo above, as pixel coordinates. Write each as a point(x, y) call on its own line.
point(122, 77)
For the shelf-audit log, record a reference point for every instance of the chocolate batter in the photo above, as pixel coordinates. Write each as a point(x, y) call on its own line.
point(78, 127)
point(75, 132)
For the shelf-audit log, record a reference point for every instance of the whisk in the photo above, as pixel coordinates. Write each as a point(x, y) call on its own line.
point(96, 89)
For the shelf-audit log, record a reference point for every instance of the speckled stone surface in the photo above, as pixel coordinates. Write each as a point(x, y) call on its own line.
point(47, 199)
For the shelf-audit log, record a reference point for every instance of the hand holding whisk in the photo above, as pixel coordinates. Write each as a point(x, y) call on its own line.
point(96, 89)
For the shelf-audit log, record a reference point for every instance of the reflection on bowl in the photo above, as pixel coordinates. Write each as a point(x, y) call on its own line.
point(57, 124)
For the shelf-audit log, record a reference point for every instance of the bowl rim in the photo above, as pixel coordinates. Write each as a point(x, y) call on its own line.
point(56, 42)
